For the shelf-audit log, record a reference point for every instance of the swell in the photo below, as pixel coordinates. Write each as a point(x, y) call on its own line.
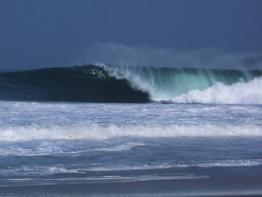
point(116, 84)
point(78, 84)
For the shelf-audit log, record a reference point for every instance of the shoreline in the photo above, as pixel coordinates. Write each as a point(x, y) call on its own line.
point(214, 186)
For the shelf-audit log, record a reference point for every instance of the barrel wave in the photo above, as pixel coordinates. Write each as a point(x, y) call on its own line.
point(104, 83)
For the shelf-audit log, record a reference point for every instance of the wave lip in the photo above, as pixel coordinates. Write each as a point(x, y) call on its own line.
point(169, 84)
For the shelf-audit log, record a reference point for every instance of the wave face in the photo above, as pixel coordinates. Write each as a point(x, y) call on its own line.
point(78, 83)
point(105, 83)
point(177, 84)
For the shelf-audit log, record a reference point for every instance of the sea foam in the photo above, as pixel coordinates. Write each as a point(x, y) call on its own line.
point(239, 93)
point(101, 132)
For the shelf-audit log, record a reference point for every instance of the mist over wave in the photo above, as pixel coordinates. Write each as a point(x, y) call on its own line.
point(107, 83)
point(194, 85)
point(198, 76)
point(147, 56)
point(125, 74)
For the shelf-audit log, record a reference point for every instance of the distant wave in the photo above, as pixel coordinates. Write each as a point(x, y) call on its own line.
point(104, 83)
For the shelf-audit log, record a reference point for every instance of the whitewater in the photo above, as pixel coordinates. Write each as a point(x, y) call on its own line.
point(194, 85)
point(50, 145)
point(120, 84)
point(104, 129)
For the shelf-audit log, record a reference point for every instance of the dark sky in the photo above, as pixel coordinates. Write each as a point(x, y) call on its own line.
point(53, 32)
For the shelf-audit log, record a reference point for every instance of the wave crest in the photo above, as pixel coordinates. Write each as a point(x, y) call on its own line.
point(194, 85)
point(105, 83)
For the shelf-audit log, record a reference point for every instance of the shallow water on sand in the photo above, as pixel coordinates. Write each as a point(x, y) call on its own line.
point(89, 146)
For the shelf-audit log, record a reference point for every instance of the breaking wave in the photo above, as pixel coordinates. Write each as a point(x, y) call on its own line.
point(194, 85)
point(105, 83)
point(238, 93)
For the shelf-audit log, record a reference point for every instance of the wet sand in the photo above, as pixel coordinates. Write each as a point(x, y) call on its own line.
point(213, 186)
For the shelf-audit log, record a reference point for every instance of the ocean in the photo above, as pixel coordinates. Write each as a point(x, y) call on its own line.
point(101, 131)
